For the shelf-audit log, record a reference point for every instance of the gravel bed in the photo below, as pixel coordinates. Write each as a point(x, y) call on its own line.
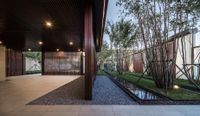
point(105, 92)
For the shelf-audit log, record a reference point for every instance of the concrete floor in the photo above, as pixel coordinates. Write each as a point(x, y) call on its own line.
point(16, 93)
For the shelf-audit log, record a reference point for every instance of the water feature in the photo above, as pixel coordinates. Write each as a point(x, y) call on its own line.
point(139, 92)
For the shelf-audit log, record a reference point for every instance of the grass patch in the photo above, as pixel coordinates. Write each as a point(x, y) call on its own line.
point(176, 81)
point(33, 72)
point(100, 73)
point(184, 82)
point(176, 94)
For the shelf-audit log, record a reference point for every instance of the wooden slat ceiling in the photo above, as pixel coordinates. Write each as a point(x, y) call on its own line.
point(22, 24)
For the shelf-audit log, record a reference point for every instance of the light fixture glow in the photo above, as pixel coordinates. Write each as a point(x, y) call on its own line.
point(40, 42)
point(71, 43)
point(1, 42)
point(48, 24)
point(79, 50)
point(57, 50)
point(29, 49)
point(176, 87)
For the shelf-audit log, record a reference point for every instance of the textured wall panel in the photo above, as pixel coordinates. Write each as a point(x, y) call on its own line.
point(62, 63)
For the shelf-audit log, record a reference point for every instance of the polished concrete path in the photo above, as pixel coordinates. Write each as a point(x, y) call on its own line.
point(16, 93)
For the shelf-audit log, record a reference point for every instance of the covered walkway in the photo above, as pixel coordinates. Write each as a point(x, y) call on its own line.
point(18, 91)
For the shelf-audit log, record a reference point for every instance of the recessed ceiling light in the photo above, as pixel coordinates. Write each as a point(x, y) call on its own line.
point(29, 49)
point(1, 42)
point(57, 50)
point(48, 24)
point(71, 43)
point(40, 42)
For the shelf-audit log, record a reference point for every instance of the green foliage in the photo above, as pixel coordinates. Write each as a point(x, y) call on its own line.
point(122, 34)
point(104, 54)
point(156, 20)
point(176, 94)
point(33, 55)
point(100, 73)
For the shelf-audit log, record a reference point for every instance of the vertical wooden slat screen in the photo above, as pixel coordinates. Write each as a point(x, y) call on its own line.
point(62, 63)
point(14, 63)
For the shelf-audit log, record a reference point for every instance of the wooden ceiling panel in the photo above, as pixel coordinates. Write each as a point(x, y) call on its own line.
point(24, 20)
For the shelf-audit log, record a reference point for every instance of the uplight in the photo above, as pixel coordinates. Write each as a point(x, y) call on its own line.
point(29, 49)
point(176, 87)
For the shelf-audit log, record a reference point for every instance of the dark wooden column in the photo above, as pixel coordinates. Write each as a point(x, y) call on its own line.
point(90, 51)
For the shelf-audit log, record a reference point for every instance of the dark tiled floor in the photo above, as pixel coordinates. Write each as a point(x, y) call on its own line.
point(105, 92)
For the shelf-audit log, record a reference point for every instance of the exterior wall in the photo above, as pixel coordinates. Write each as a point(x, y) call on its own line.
point(138, 65)
point(2, 63)
point(197, 61)
point(187, 40)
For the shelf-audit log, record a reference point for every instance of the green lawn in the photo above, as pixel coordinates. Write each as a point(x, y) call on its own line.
point(176, 81)
point(184, 82)
point(176, 94)
point(100, 73)
point(33, 72)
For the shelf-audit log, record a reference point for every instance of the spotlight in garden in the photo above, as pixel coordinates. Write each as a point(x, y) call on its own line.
point(176, 87)
point(29, 49)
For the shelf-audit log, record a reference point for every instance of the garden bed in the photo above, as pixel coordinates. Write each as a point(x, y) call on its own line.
point(179, 96)
point(33, 72)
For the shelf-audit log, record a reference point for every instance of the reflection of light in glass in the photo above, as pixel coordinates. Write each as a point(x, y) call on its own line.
point(61, 54)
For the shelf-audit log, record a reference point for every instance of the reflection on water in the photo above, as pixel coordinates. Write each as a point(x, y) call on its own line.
point(140, 93)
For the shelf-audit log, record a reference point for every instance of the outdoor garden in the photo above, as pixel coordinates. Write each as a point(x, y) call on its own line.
point(32, 62)
point(153, 51)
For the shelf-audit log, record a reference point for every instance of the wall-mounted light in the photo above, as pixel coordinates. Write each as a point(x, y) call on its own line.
point(79, 50)
point(57, 50)
point(29, 49)
point(48, 24)
point(40, 42)
point(71, 43)
point(1, 42)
